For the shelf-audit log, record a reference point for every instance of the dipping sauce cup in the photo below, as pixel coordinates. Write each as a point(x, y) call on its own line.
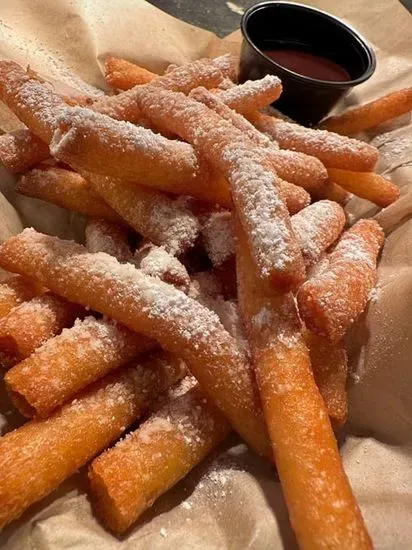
point(318, 57)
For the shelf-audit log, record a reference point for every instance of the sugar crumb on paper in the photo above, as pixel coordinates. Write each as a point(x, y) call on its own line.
point(235, 8)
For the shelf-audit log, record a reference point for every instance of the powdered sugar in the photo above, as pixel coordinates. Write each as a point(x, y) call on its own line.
point(339, 292)
point(316, 227)
point(163, 220)
point(157, 262)
point(217, 233)
point(253, 94)
point(31, 100)
point(262, 212)
point(374, 294)
point(157, 300)
point(203, 72)
point(335, 150)
point(103, 236)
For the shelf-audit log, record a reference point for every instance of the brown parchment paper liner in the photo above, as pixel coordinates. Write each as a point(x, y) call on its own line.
point(233, 501)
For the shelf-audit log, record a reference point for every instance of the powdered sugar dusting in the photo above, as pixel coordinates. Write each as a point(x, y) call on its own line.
point(333, 149)
point(72, 360)
point(262, 212)
point(339, 292)
point(133, 152)
point(155, 299)
point(104, 236)
point(217, 233)
point(157, 262)
point(317, 227)
point(105, 410)
point(253, 94)
point(32, 323)
point(150, 306)
point(161, 219)
point(31, 99)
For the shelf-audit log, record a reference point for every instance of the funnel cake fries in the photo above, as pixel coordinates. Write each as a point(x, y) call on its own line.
point(333, 150)
point(103, 236)
point(151, 307)
point(217, 237)
point(21, 150)
point(253, 95)
point(334, 298)
point(255, 195)
point(67, 363)
point(334, 192)
point(85, 138)
point(330, 369)
point(157, 262)
point(317, 227)
point(40, 455)
point(297, 168)
point(250, 96)
point(123, 75)
point(371, 114)
point(38, 106)
point(182, 178)
point(15, 290)
point(322, 508)
point(204, 72)
point(32, 323)
point(127, 479)
point(33, 102)
point(96, 143)
point(66, 189)
point(367, 185)
point(162, 220)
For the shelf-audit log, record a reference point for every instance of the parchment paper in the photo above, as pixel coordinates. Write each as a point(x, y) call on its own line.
point(233, 501)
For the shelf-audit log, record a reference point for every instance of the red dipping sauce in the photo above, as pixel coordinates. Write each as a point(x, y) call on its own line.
point(309, 64)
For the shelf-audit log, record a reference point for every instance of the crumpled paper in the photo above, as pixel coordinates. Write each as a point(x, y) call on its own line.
point(233, 501)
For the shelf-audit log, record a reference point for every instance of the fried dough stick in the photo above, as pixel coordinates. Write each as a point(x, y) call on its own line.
point(250, 96)
point(333, 150)
point(330, 369)
point(157, 262)
point(39, 107)
point(253, 182)
point(370, 114)
point(15, 290)
point(93, 142)
point(67, 363)
point(322, 508)
point(21, 150)
point(366, 185)
point(103, 236)
point(126, 480)
point(150, 307)
point(66, 189)
point(160, 219)
point(333, 299)
point(317, 227)
point(37, 457)
point(32, 323)
point(34, 103)
point(123, 75)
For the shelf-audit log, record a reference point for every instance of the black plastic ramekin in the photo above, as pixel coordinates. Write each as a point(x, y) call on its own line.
point(276, 25)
